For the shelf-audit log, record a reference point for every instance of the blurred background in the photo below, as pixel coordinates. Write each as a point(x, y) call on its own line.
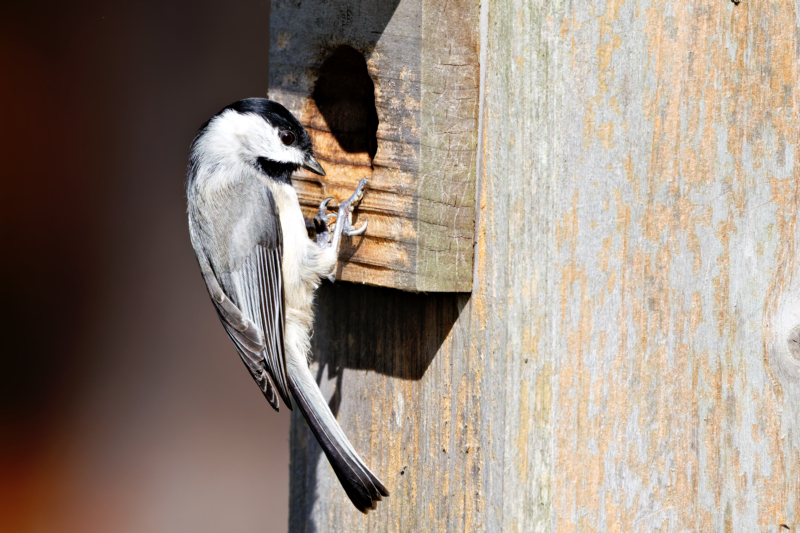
point(123, 407)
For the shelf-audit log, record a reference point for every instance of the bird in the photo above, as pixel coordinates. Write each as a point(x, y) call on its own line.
point(261, 267)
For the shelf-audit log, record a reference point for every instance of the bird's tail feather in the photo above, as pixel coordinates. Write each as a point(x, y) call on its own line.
point(362, 486)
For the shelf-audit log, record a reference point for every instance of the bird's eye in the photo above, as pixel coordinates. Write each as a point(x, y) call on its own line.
point(287, 137)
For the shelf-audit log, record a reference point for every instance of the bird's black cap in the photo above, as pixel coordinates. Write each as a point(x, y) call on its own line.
point(271, 111)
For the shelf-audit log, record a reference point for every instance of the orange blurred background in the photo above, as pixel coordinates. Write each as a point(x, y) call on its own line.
point(123, 407)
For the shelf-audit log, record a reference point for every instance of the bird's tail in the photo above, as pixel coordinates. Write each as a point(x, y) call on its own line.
point(362, 487)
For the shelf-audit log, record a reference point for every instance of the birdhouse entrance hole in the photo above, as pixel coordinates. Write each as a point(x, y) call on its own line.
point(346, 119)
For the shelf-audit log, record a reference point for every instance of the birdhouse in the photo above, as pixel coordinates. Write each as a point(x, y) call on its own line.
point(388, 91)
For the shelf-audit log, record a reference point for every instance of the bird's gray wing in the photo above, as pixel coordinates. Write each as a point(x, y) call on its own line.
point(249, 296)
point(246, 337)
point(258, 286)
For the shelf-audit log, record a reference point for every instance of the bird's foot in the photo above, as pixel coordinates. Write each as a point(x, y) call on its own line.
point(322, 224)
point(329, 235)
point(344, 221)
point(347, 207)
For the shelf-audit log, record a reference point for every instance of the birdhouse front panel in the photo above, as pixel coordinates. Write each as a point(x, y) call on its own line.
point(388, 91)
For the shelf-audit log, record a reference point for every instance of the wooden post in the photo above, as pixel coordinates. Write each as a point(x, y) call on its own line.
point(627, 359)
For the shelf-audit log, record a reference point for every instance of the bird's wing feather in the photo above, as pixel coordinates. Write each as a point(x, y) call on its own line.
point(246, 287)
point(242, 329)
point(256, 369)
point(258, 285)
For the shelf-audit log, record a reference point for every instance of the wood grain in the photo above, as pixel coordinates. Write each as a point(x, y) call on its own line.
point(627, 360)
point(421, 196)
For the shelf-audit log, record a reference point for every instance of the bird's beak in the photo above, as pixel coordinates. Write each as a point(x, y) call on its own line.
point(313, 165)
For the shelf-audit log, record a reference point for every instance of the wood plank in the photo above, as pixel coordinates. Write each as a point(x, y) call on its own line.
point(422, 172)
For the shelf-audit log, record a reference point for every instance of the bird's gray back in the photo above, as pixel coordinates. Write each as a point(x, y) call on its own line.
point(229, 221)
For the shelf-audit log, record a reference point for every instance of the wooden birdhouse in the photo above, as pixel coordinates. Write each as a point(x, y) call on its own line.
point(388, 91)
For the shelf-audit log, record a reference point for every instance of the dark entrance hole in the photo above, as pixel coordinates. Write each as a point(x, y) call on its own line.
point(345, 96)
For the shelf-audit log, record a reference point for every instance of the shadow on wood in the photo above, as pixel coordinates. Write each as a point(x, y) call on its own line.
point(360, 327)
point(388, 331)
point(345, 96)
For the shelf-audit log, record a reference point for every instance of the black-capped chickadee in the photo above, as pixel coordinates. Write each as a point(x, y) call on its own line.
point(260, 266)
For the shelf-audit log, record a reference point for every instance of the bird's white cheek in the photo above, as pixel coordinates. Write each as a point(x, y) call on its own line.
point(272, 148)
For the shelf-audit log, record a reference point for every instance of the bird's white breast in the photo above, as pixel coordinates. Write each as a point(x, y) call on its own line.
point(303, 260)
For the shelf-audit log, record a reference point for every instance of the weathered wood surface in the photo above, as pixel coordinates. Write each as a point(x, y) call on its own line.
point(423, 61)
point(627, 360)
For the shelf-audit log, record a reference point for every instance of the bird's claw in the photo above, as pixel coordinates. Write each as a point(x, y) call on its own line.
point(347, 207)
point(357, 195)
point(352, 232)
point(323, 209)
point(322, 223)
point(329, 237)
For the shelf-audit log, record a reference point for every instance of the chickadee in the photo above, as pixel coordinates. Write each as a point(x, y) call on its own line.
point(260, 266)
